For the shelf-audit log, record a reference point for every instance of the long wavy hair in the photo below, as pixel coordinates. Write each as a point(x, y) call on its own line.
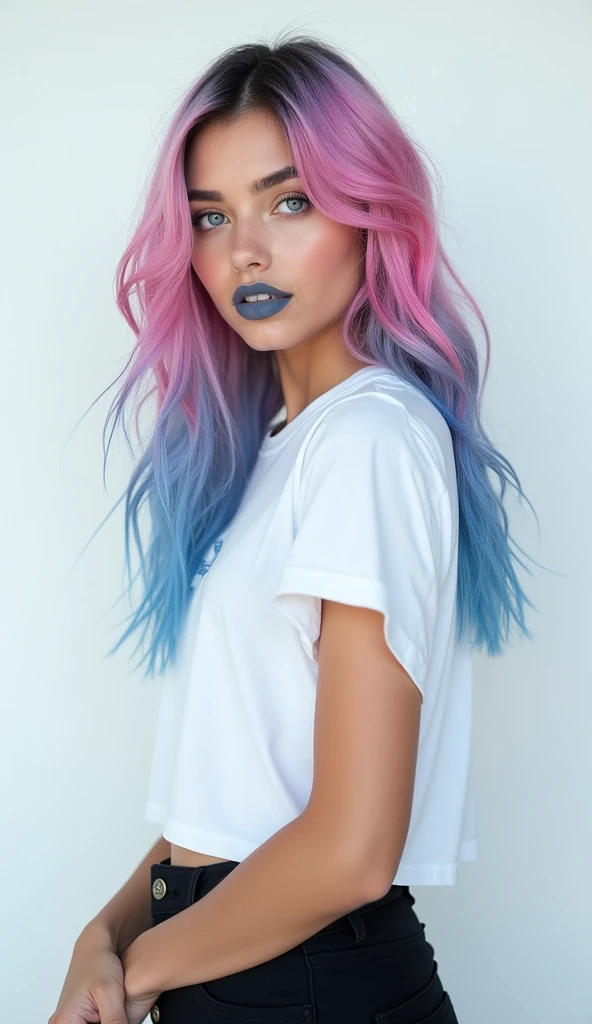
point(215, 396)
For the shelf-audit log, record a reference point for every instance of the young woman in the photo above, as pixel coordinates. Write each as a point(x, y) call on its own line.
point(314, 581)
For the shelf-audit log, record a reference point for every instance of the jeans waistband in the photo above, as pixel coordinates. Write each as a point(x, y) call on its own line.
point(175, 887)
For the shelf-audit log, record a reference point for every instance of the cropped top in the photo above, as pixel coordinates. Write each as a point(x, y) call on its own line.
point(354, 500)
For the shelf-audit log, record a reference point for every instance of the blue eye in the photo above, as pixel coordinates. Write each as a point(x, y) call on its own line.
point(195, 219)
point(299, 198)
point(198, 216)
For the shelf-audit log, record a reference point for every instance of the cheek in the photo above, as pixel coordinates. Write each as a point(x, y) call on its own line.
point(331, 258)
point(196, 261)
point(205, 269)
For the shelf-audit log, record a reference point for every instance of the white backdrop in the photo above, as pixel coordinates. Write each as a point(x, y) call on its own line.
point(500, 95)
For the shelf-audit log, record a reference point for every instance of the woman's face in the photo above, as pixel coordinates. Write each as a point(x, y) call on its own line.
point(265, 237)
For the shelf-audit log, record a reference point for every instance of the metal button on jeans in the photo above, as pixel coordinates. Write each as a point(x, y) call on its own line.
point(159, 888)
point(155, 1014)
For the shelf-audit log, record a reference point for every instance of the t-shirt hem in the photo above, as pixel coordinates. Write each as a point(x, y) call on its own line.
point(218, 844)
point(436, 874)
point(215, 844)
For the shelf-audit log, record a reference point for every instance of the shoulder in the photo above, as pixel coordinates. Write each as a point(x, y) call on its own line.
point(381, 426)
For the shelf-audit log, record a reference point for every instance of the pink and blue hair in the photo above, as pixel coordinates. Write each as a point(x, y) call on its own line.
point(215, 396)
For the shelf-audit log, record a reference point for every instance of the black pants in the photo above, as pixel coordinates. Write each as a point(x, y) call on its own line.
point(371, 966)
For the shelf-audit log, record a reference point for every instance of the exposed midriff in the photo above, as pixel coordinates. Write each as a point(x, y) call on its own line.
point(180, 855)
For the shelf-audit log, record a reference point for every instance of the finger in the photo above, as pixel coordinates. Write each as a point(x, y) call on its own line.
point(111, 1006)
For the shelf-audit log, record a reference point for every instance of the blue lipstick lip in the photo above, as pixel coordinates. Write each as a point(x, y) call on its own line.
point(257, 288)
point(263, 309)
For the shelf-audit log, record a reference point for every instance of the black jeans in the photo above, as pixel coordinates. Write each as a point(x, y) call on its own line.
point(371, 966)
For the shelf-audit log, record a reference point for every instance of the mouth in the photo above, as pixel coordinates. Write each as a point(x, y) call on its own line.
point(258, 291)
point(255, 308)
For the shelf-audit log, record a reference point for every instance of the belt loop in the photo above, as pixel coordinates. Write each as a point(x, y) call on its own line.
point(192, 885)
point(357, 922)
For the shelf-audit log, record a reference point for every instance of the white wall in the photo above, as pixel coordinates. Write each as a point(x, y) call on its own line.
point(500, 94)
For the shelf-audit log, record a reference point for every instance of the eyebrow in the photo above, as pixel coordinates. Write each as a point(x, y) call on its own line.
point(259, 185)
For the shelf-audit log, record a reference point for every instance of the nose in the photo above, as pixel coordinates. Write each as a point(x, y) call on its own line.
point(249, 248)
point(248, 257)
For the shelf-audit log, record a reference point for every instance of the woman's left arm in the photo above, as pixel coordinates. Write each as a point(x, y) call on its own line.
point(340, 852)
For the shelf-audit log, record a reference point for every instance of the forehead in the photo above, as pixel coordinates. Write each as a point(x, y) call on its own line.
point(231, 151)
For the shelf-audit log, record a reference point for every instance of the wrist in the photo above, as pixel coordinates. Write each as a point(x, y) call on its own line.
point(133, 960)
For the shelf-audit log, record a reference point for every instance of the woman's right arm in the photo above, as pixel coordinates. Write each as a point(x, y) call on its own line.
point(128, 912)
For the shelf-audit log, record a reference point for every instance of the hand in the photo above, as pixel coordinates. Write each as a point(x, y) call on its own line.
point(93, 989)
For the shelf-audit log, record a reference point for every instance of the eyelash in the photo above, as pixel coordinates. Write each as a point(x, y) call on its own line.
point(197, 216)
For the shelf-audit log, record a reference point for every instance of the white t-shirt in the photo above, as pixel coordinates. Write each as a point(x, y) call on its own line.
point(354, 500)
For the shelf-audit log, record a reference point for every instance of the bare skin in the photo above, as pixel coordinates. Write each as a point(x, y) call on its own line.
point(189, 858)
point(287, 243)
